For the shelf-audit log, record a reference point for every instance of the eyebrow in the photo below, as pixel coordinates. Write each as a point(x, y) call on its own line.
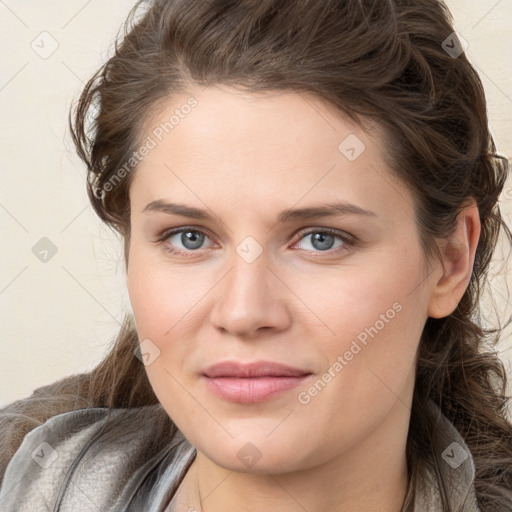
point(311, 212)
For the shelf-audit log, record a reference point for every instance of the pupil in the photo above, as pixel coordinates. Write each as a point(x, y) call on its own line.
point(322, 237)
point(193, 237)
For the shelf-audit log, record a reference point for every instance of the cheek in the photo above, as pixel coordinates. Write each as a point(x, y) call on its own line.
point(159, 295)
point(344, 302)
point(166, 304)
point(372, 320)
point(158, 300)
point(377, 322)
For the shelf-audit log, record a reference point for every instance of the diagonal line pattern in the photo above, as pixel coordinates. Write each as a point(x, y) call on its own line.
point(197, 196)
point(12, 12)
point(216, 487)
point(14, 76)
point(194, 398)
point(487, 14)
point(315, 109)
point(286, 491)
point(493, 82)
point(14, 218)
point(79, 78)
point(76, 14)
point(421, 282)
point(9, 491)
point(179, 320)
point(333, 333)
point(392, 186)
point(85, 494)
point(44, 499)
point(389, 389)
point(12, 280)
point(74, 218)
point(91, 295)
point(279, 423)
point(306, 193)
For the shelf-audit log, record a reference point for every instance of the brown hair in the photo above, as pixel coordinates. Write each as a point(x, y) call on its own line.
point(383, 61)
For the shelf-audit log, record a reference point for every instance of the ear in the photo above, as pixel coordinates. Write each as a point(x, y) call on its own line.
point(458, 256)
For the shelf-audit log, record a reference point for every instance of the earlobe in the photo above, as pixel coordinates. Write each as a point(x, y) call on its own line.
point(458, 256)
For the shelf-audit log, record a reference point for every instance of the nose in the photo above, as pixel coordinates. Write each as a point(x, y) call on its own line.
point(251, 298)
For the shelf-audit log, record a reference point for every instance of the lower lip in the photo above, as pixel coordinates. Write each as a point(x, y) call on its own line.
point(251, 390)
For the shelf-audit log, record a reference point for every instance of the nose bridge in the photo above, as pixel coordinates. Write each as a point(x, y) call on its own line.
point(247, 282)
point(247, 301)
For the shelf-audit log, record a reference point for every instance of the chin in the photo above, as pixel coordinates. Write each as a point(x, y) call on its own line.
point(258, 457)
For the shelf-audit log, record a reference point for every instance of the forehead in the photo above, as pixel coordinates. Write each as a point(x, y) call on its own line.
point(257, 122)
point(221, 143)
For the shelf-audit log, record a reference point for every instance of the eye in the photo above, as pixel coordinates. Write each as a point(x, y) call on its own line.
point(322, 240)
point(190, 238)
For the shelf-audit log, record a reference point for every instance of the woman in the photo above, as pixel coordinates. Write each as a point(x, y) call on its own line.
point(307, 193)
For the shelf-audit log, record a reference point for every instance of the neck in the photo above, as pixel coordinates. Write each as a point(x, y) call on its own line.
point(371, 476)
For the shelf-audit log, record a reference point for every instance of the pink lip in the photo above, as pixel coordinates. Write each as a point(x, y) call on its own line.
point(252, 382)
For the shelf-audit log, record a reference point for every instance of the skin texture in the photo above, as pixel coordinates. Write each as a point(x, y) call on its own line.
point(246, 157)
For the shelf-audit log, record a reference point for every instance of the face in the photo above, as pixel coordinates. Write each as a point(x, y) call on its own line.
point(342, 297)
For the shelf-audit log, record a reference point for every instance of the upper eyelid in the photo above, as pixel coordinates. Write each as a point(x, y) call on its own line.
point(335, 231)
point(173, 231)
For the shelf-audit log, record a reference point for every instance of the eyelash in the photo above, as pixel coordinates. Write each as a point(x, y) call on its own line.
point(348, 240)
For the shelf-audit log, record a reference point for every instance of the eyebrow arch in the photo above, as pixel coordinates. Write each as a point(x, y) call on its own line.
point(311, 212)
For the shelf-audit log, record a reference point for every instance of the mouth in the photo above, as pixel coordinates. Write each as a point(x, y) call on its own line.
point(252, 382)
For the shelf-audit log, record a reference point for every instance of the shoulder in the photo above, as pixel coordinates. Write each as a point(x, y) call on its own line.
point(78, 459)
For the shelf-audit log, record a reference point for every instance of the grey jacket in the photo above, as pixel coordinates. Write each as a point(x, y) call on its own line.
point(108, 460)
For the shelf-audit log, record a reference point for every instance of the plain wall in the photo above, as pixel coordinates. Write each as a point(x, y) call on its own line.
point(60, 316)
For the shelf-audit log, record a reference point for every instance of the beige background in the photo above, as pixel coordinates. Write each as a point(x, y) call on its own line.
point(59, 317)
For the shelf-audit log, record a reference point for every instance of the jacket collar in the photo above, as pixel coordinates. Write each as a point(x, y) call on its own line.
point(456, 470)
point(124, 462)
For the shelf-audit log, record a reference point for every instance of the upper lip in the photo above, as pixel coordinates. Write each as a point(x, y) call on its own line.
point(255, 369)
